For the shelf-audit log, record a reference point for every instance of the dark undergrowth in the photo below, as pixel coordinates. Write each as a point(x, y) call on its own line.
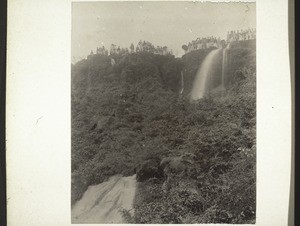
point(126, 114)
point(220, 131)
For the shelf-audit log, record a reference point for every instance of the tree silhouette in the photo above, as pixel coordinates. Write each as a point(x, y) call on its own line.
point(184, 47)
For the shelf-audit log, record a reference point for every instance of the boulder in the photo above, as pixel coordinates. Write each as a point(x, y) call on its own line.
point(149, 169)
point(176, 169)
point(177, 165)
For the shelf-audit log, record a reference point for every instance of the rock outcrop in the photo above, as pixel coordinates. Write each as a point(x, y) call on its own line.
point(149, 169)
point(175, 168)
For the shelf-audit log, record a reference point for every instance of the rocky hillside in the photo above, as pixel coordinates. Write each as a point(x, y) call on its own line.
point(195, 163)
point(112, 108)
point(240, 54)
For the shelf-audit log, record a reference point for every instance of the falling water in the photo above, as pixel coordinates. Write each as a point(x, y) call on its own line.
point(223, 68)
point(224, 65)
point(102, 203)
point(203, 73)
point(182, 83)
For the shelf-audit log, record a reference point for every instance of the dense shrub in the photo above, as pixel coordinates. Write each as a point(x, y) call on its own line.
point(129, 116)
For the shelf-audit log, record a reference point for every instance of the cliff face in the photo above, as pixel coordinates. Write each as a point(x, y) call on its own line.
point(165, 71)
point(240, 54)
point(132, 68)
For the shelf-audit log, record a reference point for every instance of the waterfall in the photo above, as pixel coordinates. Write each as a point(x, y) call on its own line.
point(201, 81)
point(182, 83)
point(223, 68)
point(224, 65)
point(102, 203)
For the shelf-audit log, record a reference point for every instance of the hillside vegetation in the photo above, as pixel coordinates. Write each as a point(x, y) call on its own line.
point(195, 162)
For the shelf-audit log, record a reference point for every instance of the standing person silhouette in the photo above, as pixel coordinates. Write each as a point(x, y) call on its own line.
point(131, 48)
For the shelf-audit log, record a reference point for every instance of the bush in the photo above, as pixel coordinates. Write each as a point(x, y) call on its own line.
point(140, 120)
point(148, 169)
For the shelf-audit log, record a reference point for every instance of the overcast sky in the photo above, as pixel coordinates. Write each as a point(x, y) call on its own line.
point(169, 24)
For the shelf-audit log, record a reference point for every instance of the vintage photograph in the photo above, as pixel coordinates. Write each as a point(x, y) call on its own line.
point(163, 112)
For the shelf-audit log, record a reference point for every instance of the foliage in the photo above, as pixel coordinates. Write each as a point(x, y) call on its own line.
point(127, 216)
point(184, 47)
point(130, 113)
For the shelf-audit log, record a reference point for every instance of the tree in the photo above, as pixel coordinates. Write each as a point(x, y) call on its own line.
point(184, 47)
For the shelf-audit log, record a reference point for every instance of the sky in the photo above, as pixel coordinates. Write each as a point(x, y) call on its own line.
point(169, 24)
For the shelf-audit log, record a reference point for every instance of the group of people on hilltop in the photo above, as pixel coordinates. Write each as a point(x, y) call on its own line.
point(204, 43)
point(113, 50)
point(199, 43)
point(145, 46)
point(117, 50)
point(208, 42)
point(241, 35)
point(102, 51)
point(142, 46)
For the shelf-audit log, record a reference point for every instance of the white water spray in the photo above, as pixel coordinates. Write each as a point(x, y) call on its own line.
point(182, 83)
point(224, 60)
point(224, 65)
point(200, 84)
point(102, 203)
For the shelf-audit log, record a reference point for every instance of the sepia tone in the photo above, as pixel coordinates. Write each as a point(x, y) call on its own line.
point(163, 112)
